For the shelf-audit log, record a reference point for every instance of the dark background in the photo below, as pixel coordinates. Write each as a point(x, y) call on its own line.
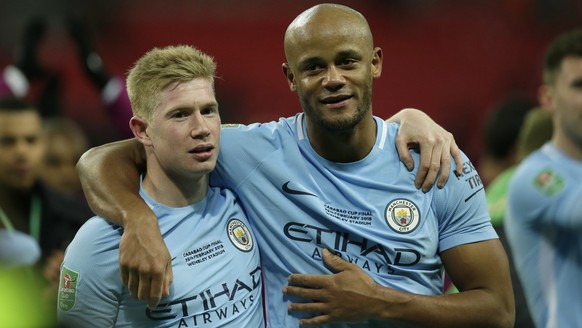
point(453, 59)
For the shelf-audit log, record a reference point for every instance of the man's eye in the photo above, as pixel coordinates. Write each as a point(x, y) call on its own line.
point(180, 115)
point(208, 111)
point(311, 68)
point(348, 62)
point(6, 142)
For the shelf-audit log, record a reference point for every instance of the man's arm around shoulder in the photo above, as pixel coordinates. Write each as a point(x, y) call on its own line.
point(109, 175)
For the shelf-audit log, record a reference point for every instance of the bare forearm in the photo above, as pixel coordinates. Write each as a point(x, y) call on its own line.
point(480, 271)
point(110, 178)
point(475, 308)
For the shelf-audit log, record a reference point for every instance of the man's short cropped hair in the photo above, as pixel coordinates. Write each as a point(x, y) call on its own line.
point(565, 45)
point(161, 67)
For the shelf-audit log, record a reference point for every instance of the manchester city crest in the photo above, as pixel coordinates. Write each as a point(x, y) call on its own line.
point(402, 215)
point(240, 235)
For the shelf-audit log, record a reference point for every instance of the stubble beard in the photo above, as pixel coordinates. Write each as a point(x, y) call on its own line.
point(339, 125)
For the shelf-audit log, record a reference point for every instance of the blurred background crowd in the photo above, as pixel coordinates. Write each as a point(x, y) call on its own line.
point(473, 66)
point(455, 60)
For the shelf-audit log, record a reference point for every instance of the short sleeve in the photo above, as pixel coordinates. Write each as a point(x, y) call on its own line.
point(461, 207)
point(90, 285)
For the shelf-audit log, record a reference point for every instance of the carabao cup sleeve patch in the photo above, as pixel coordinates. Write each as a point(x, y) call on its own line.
point(549, 182)
point(67, 289)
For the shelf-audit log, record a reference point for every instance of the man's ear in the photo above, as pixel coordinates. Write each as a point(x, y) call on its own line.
point(545, 97)
point(139, 128)
point(377, 59)
point(289, 76)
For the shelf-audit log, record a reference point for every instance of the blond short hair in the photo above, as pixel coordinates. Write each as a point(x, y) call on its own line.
point(161, 67)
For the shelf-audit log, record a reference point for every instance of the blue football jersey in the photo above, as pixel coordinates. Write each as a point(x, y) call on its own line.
point(544, 230)
point(368, 212)
point(215, 261)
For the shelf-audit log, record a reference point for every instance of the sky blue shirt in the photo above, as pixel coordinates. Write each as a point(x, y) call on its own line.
point(544, 229)
point(215, 261)
point(368, 211)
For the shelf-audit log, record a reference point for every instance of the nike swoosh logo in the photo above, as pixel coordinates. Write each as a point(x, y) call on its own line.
point(288, 190)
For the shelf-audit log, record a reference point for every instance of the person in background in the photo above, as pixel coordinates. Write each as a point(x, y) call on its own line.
point(500, 134)
point(16, 79)
point(26, 78)
point(501, 129)
point(329, 178)
point(543, 222)
point(65, 143)
point(17, 249)
point(112, 88)
point(535, 131)
point(28, 207)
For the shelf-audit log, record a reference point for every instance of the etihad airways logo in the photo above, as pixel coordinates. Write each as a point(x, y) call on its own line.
point(344, 242)
point(218, 302)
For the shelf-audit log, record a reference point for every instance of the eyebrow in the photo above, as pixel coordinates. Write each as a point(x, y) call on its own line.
point(308, 61)
point(349, 53)
point(341, 55)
